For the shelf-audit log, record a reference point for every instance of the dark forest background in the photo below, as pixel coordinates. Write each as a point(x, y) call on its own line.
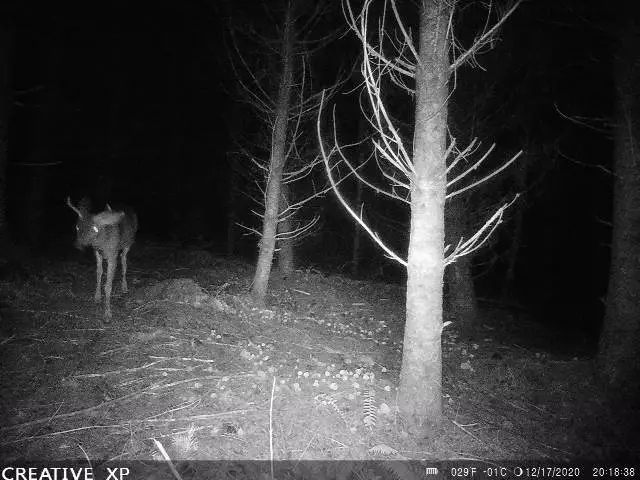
point(136, 104)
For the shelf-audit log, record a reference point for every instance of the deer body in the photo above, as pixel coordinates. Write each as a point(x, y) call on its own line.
point(109, 233)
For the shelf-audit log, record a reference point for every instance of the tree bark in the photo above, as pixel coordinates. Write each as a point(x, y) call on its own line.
point(520, 180)
point(463, 306)
point(356, 245)
point(619, 348)
point(357, 229)
point(420, 395)
point(276, 166)
point(286, 258)
point(232, 216)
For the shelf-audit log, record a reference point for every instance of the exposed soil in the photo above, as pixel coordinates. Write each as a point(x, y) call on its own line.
point(187, 361)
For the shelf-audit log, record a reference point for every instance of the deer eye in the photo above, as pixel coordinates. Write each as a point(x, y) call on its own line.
point(95, 229)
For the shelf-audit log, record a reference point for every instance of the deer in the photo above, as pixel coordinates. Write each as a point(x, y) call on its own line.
point(109, 233)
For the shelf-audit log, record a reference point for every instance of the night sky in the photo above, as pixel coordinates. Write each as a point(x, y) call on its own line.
point(137, 103)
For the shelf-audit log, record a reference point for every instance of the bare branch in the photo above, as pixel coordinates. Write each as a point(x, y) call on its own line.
point(334, 185)
point(356, 25)
point(486, 38)
point(588, 122)
point(480, 237)
point(486, 178)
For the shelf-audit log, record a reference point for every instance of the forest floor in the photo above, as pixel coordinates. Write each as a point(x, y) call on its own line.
point(189, 370)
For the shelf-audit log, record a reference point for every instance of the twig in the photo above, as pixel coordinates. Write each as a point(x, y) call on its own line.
point(163, 452)
point(114, 372)
point(186, 359)
point(74, 413)
point(123, 426)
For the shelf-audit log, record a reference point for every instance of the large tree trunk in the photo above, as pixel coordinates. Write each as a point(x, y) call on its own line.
point(276, 166)
point(619, 349)
point(286, 258)
point(421, 375)
point(5, 115)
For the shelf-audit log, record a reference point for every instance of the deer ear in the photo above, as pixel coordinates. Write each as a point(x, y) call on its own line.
point(73, 207)
point(108, 218)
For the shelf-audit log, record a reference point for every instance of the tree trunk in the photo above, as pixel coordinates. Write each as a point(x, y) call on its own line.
point(520, 180)
point(276, 166)
point(619, 349)
point(420, 396)
point(232, 216)
point(286, 259)
point(5, 115)
point(356, 246)
point(462, 295)
point(509, 283)
point(357, 229)
point(463, 306)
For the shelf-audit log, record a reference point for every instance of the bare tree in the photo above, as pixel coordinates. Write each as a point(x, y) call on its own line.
point(282, 159)
point(276, 163)
point(419, 178)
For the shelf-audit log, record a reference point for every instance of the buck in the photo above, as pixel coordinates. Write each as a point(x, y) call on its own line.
point(109, 233)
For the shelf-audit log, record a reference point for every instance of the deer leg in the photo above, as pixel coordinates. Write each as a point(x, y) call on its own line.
point(123, 259)
point(98, 293)
point(111, 270)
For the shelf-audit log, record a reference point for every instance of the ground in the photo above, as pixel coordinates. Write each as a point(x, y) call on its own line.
point(189, 369)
